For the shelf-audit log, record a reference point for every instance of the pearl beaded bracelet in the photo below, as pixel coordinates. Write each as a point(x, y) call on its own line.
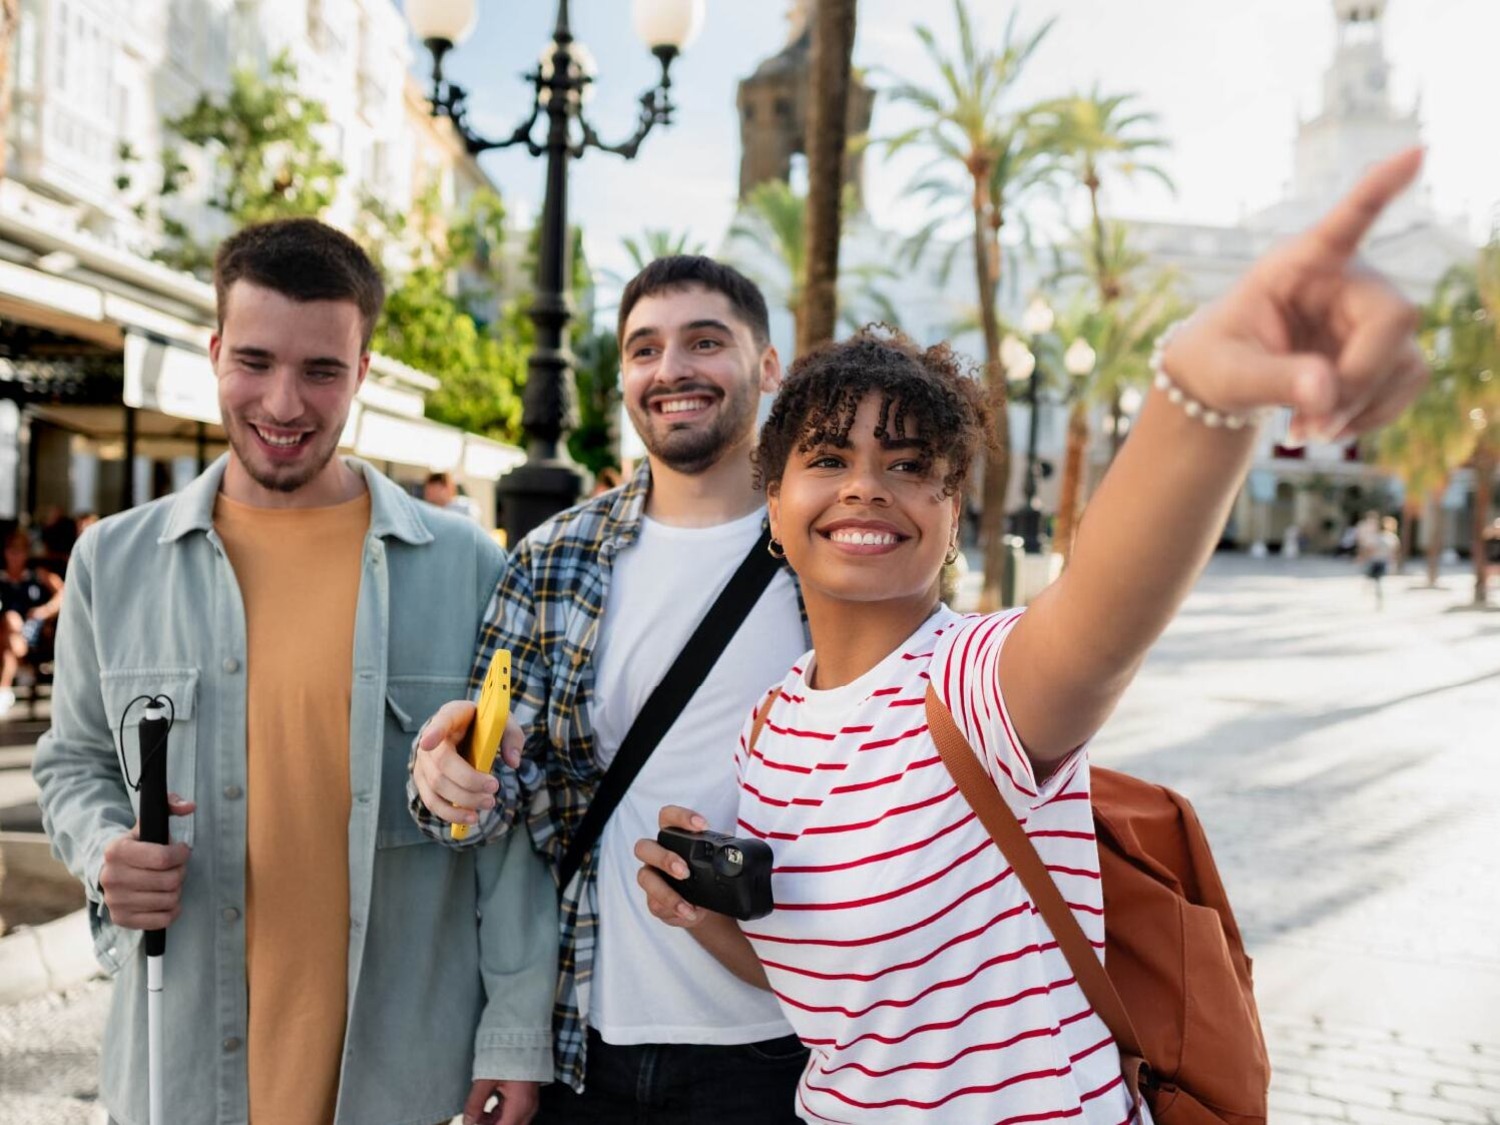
point(1214, 419)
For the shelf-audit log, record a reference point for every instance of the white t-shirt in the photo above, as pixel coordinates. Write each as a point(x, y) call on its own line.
point(653, 983)
point(903, 949)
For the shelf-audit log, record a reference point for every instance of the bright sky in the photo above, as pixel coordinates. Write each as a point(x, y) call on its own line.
point(1228, 79)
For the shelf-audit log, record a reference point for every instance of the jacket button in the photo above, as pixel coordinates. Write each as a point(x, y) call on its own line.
point(233, 792)
point(231, 914)
point(231, 1044)
point(231, 665)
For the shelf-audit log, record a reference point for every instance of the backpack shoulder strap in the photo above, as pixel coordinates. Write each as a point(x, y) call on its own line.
point(1019, 851)
point(667, 700)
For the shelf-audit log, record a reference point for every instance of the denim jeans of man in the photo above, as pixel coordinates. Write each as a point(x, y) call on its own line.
point(681, 1084)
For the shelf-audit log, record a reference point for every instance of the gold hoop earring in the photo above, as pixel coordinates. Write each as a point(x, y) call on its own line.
point(952, 556)
point(775, 549)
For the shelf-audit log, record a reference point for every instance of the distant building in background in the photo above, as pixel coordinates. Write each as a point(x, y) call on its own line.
point(773, 110)
point(1320, 488)
point(106, 395)
point(1323, 488)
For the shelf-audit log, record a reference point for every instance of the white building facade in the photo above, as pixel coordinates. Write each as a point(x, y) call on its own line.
point(1321, 488)
point(106, 395)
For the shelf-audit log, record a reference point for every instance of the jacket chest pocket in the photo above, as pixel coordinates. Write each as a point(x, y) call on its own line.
point(125, 692)
point(410, 702)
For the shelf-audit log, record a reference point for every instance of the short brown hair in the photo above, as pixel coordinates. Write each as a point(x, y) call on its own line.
point(304, 260)
point(932, 387)
point(682, 271)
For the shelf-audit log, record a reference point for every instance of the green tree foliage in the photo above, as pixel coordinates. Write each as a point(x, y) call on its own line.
point(986, 143)
point(775, 217)
point(659, 242)
point(1465, 319)
point(595, 443)
point(1096, 137)
point(260, 140)
point(434, 317)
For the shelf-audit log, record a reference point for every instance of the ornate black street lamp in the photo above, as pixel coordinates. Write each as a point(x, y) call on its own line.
point(1023, 362)
point(549, 481)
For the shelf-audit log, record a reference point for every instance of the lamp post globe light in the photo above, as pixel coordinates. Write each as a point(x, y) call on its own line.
point(549, 481)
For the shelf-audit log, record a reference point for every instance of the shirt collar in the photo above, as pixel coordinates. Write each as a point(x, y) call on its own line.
point(622, 525)
point(393, 513)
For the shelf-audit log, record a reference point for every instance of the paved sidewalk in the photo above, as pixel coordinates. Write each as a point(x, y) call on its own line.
point(1327, 1074)
point(1346, 763)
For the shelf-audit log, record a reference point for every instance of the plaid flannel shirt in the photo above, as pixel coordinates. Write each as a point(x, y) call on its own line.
point(546, 611)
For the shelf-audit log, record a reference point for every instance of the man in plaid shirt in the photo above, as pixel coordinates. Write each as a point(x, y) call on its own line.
point(594, 606)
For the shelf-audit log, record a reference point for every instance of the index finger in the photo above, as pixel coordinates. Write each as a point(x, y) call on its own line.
point(1343, 228)
point(675, 816)
point(450, 723)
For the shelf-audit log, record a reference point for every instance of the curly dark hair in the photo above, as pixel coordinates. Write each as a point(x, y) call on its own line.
point(931, 395)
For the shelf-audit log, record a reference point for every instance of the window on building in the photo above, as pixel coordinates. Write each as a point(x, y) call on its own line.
point(60, 49)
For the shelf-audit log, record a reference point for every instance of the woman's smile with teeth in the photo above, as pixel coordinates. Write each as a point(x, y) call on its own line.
point(864, 538)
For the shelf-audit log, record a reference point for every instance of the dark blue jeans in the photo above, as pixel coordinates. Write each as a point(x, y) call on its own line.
point(681, 1084)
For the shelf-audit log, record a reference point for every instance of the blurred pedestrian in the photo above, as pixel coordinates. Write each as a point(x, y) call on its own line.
point(442, 491)
point(30, 597)
point(1291, 542)
point(1380, 548)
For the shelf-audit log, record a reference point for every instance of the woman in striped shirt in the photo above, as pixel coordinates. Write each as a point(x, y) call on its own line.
point(902, 948)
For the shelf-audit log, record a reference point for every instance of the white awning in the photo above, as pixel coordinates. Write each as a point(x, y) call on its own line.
point(385, 437)
point(170, 377)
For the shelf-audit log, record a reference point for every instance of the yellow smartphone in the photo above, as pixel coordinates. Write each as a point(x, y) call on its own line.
point(483, 741)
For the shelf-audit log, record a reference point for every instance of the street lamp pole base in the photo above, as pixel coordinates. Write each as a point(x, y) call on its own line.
point(535, 492)
point(1031, 530)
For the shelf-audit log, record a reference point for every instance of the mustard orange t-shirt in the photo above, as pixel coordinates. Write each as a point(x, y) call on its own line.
point(298, 571)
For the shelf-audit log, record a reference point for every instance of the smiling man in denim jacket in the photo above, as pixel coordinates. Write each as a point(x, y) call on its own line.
point(324, 961)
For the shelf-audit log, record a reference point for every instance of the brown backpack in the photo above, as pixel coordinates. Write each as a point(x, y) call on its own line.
point(1177, 996)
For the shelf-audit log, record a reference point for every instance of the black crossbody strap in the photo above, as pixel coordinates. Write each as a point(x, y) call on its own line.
point(670, 696)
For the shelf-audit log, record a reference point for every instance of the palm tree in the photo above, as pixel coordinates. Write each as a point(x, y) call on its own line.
point(659, 242)
point(827, 141)
point(1100, 136)
point(967, 121)
point(1422, 448)
point(774, 217)
point(1467, 307)
point(1121, 333)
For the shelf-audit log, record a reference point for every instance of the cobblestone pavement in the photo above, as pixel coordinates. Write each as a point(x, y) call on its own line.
point(49, 1058)
point(1346, 763)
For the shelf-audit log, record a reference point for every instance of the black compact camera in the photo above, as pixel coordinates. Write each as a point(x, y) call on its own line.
point(726, 874)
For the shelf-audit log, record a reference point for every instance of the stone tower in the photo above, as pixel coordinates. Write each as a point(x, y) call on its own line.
point(1358, 123)
point(772, 105)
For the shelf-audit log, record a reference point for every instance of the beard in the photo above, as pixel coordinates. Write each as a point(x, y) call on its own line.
point(281, 478)
point(693, 448)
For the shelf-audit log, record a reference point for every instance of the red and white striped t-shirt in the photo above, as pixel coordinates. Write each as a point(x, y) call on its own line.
point(903, 949)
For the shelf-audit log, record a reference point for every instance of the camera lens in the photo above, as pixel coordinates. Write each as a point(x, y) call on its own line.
point(730, 861)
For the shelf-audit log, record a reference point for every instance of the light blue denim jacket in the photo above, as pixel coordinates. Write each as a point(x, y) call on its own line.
point(452, 954)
